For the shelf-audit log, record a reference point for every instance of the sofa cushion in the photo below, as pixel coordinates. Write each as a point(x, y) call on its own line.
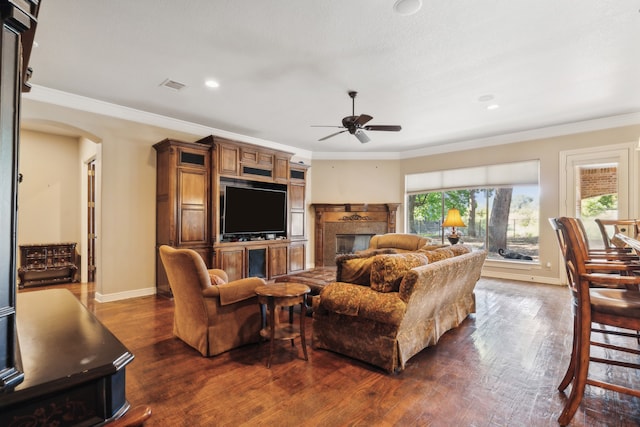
point(432, 247)
point(387, 271)
point(438, 254)
point(363, 302)
point(356, 268)
point(460, 249)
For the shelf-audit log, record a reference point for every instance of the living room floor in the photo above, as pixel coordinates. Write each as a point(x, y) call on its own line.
point(501, 367)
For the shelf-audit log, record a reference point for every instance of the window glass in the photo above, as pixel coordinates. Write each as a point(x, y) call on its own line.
point(504, 220)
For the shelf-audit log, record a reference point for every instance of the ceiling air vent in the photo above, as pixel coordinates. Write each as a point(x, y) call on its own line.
point(172, 84)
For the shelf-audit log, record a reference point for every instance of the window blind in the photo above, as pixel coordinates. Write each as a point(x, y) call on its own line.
point(516, 173)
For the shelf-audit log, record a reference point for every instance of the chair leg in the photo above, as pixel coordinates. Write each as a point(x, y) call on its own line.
point(571, 369)
point(581, 372)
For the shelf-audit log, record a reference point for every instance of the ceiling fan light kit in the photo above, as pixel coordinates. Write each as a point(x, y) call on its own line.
point(355, 125)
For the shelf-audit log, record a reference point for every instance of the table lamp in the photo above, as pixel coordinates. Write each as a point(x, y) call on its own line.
point(453, 220)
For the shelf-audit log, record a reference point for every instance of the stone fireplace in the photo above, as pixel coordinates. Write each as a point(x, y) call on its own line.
point(348, 227)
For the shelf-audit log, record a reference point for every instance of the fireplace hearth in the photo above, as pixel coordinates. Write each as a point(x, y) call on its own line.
point(346, 228)
point(350, 243)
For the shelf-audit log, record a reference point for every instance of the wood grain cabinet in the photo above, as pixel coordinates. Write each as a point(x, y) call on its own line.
point(191, 182)
point(182, 201)
point(264, 259)
point(297, 216)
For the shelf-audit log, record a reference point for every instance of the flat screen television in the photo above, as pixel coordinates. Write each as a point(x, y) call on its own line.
point(254, 211)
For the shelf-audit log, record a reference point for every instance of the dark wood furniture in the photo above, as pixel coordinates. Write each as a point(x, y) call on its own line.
point(191, 177)
point(282, 295)
point(75, 367)
point(182, 201)
point(610, 227)
point(58, 364)
point(47, 263)
point(19, 19)
point(598, 300)
point(630, 241)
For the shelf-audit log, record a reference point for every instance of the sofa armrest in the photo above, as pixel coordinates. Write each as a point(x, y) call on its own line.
point(232, 292)
point(362, 301)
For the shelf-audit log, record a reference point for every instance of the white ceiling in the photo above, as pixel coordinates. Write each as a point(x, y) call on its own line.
point(286, 65)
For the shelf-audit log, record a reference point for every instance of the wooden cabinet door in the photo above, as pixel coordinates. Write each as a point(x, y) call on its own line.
point(297, 213)
point(228, 160)
point(193, 207)
point(297, 257)
point(281, 170)
point(277, 261)
point(231, 260)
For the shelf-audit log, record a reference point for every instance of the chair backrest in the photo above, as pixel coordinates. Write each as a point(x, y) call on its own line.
point(630, 227)
point(574, 252)
point(188, 276)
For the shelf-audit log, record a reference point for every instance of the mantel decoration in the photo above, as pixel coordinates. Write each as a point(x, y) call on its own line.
point(453, 220)
point(355, 217)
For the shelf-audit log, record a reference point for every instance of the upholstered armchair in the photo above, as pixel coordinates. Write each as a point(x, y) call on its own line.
point(211, 315)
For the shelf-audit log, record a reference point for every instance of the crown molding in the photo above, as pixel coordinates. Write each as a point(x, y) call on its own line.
point(66, 99)
point(83, 103)
point(529, 135)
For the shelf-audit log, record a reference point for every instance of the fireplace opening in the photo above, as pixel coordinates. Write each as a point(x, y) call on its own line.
point(351, 243)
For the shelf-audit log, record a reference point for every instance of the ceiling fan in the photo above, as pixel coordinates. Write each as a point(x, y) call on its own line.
point(356, 125)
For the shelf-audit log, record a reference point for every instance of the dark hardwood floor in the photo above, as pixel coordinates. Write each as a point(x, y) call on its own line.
point(501, 367)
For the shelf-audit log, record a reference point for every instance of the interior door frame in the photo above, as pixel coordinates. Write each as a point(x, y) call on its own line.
point(626, 157)
point(625, 154)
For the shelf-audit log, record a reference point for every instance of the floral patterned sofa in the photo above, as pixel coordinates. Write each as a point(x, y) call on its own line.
point(385, 308)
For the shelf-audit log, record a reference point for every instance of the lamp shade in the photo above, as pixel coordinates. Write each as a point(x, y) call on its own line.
point(453, 219)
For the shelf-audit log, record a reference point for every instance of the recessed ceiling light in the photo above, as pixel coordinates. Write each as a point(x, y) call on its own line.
point(407, 7)
point(485, 98)
point(493, 107)
point(212, 83)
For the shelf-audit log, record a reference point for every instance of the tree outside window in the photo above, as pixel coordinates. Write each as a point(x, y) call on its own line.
point(496, 218)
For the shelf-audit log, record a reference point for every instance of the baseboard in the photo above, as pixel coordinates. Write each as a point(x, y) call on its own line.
point(522, 277)
point(136, 293)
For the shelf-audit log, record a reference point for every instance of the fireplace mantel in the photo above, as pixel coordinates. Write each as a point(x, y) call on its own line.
point(349, 218)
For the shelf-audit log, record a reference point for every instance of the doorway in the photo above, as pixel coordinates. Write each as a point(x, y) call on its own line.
point(91, 221)
point(598, 184)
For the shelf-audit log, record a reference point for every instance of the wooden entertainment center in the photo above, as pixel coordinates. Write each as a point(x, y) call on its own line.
point(191, 188)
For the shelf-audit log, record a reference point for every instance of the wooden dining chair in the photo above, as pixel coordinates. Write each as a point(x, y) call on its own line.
point(597, 261)
point(609, 252)
point(609, 305)
point(610, 227)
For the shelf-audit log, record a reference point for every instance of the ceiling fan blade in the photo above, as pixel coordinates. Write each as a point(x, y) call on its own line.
point(333, 134)
point(390, 128)
point(362, 119)
point(326, 126)
point(362, 137)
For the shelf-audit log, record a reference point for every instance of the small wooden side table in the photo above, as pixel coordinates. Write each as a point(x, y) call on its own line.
point(282, 295)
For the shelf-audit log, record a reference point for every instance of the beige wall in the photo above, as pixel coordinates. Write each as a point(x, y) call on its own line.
point(126, 205)
point(126, 239)
point(354, 181)
point(49, 195)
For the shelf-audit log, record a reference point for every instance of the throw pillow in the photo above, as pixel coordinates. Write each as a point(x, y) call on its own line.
point(356, 268)
point(216, 280)
point(438, 254)
point(431, 247)
point(387, 271)
point(459, 249)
